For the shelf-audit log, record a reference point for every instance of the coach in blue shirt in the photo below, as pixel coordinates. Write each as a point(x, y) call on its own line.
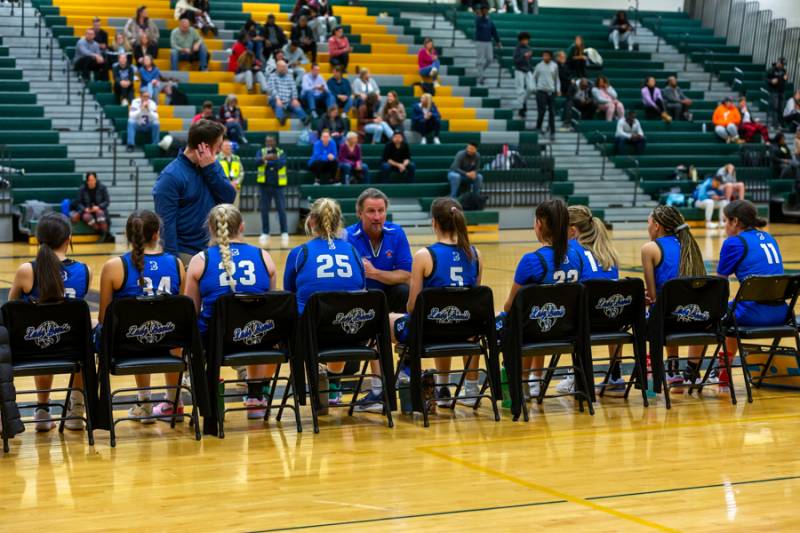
point(189, 187)
point(383, 247)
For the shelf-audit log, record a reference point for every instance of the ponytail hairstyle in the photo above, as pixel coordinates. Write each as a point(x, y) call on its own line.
point(224, 220)
point(555, 227)
point(593, 235)
point(327, 217)
point(140, 230)
point(52, 231)
point(449, 216)
point(745, 212)
point(669, 218)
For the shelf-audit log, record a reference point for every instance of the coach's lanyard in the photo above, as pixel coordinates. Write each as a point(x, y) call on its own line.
point(375, 253)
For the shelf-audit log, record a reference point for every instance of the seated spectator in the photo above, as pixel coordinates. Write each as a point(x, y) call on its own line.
point(393, 112)
point(249, 71)
point(792, 170)
point(144, 48)
point(428, 60)
point(141, 25)
point(237, 49)
point(576, 58)
point(726, 121)
point(629, 132)
point(362, 86)
point(272, 179)
point(339, 49)
point(733, 189)
point(206, 113)
point(426, 120)
point(337, 125)
point(605, 97)
point(254, 38)
point(314, 91)
point(143, 117)
point(100, 35)
point(151, 80)
point(621, 31)
point(750, 129)
point(654, 105)
point(396, 160)
point(123, 75)
point(120, 47)
point(791, 112)
point(323, 163)
point(351, 166)
point(303, 35)
point(582, 99)
point(301, 9)
point(676, 101)
point(232, 166)
point(283, 94)
point(465, 170)
point(273, 37)
point(89, 58)
point(92, 205)
point(294, 57)
point(321, 19)
point(339, 88)
point(707, 196)
point(370, 121)
point(187, 45)
point(230, 115)
point(780, 154)
point(196, 12)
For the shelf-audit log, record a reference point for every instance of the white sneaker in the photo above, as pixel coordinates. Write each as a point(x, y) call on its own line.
point(468, 391)
point(76, 408)
point(43, 422)
point(142, 409)
point(424, 140)
point(186, 396)
point(534, 389)
point(436, 140)
point(566, 386)
point(711, 225)
point(284, 239)
point(263, 240)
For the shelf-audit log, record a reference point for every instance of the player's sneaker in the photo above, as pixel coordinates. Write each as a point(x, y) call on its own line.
point(42, 417)
point(164, 410)
point(565, 386)
point(260, 404)
point(370, 403)
point(76, 408)
point(469, 390)
point(142, 409)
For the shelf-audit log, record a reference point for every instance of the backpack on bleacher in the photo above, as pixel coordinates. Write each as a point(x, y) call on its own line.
point(471, 201)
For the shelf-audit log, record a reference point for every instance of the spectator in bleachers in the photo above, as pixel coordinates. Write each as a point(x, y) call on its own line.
point(605, 97)
point(621, 31)
point(732, 188)
point(629, 132)
point(708, 195)
point(303, 35)
point(370, 121)
point(582, 99)
point(295, 58)
point(120, 47)
point(523, 72)
point(248, 70)
point(339, 49)
point(196, 12)
point(426, 120)
point(564, 82)
point(791, 112)
point(780, 154)
point(750, 129)
point(323, 163)
point(89, 58)
point(726, 121)
point(238, 48)
point(314, 91)
point(576, 58)
point(272, 179)
point(321, 19)
point(100, 35)
point(187, 45)
point(300, 9)
point(92, 205)
point(351, 166)
point(465, 170)
point(232, 166)
point(143, 117)
point(123, 75)
point(428, 60)
point(254, 38)
point(486, 37)
point(363, 86)
point(230, 115)
point(653, 101)
point(141, 25)
point(547, 86)
point(274, 38)
point(677, 103)
point(396, 160)
point(151, 80)
point(393, 112)
point(206, 112)
point(144, 47)
point(776, 86)
point(339, 88)
point(337, 125)
point(283, 94)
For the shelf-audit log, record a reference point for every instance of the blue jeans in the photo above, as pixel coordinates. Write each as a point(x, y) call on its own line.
point(376, 130)
point(235, 131)
point(344, 107)
point(314, 100)
point(347, 171)
point(456, 179)
point(257, 47)
point(154, 90)
point(134, 128)
point(387, 170)
point(201, 55)
point(268, 194)
point(426, 71)
point(280, 111)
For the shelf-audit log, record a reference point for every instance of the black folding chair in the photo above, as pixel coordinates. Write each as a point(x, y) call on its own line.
point(688, 312)
point(453, 322)
point(767, 290)
point(252, 329)
point(347, 326)
point(616, 318)
point(139, 335)
point(53, 338)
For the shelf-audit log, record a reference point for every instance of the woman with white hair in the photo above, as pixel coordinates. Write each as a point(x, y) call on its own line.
point(350, 163)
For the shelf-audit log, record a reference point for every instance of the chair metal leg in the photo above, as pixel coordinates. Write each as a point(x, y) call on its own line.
point(699, 387)
point(89, 428)
point(195, 415)
point(748, 378)
point(548, 377)
point(66, 403)
point(767, 365)
point(296, 409)
point(730, 379)
point(221, 415)
point(461, 381)
point(272, 388)
point(358, 388)
point(111, 431)
point(386, 408)
point(174, 417)
point(492, 393)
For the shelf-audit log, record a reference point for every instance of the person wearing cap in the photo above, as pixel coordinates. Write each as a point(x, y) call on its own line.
point(726, 121)
point(776, 86)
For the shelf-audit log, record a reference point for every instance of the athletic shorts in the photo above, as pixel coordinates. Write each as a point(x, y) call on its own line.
point(401, 329)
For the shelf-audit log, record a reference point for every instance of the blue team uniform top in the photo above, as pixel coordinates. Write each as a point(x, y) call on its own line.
point(753, 253)
point(539, 268)
point(75, 276)
point(669, 266)
point(250, 272)
point(591, 266)
point(161, 276)
point(451, 268)
point(320, 265)
point(394, 252)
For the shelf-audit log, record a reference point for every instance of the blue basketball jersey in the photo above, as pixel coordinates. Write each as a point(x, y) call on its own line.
point(451, 268)
point(539, 268)
point(320, 265)
point(75, 276)
point(250, 272)
point(753, 253)
point(161, 276)
point(591, 266)
point(669, 266)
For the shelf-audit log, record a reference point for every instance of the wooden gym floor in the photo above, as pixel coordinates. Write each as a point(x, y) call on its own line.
point(705, 464)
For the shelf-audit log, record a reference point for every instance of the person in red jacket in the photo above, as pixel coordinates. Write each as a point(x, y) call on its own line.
point(339, 49)
point(428, 60)
point(238, 48)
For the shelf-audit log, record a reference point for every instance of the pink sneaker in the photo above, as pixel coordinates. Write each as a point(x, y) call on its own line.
point(259, 408)
point(164, 410)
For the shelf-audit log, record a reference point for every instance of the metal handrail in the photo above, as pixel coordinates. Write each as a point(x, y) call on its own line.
point(636, 180)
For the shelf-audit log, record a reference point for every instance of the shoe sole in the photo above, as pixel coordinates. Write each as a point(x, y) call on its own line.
point(372, 408)
point(256, 415)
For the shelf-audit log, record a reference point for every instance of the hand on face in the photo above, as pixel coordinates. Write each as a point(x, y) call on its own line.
point(205, 155)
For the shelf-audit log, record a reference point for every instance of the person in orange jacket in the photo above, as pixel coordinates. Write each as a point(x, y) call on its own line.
point(726, 121)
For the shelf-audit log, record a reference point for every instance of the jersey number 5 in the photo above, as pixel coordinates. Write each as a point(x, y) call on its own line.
point(325, 268)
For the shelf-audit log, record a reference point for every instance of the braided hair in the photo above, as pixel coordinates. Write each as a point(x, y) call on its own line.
point(325, 219)
point(673, 223)
point(224, 220)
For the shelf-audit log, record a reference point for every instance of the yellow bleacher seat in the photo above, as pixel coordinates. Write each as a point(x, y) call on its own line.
point(468, 124)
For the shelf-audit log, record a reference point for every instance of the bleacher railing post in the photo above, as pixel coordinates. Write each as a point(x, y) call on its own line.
point(83, 104)
point(636, 179)
point(39, 39)
point(455, 18)
point(22, 9)
point(711, 72)
point(100, 129)
point(50, 70)
point(69, 90)
point(136, 189)
point(433, 2)
point(113, 163)
point(658, 34)
point(686, 54)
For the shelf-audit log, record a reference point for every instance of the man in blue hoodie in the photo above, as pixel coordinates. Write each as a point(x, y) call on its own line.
point(189, 187)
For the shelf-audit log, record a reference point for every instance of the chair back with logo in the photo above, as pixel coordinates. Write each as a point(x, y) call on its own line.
point(615, 305)
point(46, 331)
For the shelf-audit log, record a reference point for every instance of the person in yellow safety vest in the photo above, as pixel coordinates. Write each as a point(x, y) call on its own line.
point(272, 180)
point(232, 165)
